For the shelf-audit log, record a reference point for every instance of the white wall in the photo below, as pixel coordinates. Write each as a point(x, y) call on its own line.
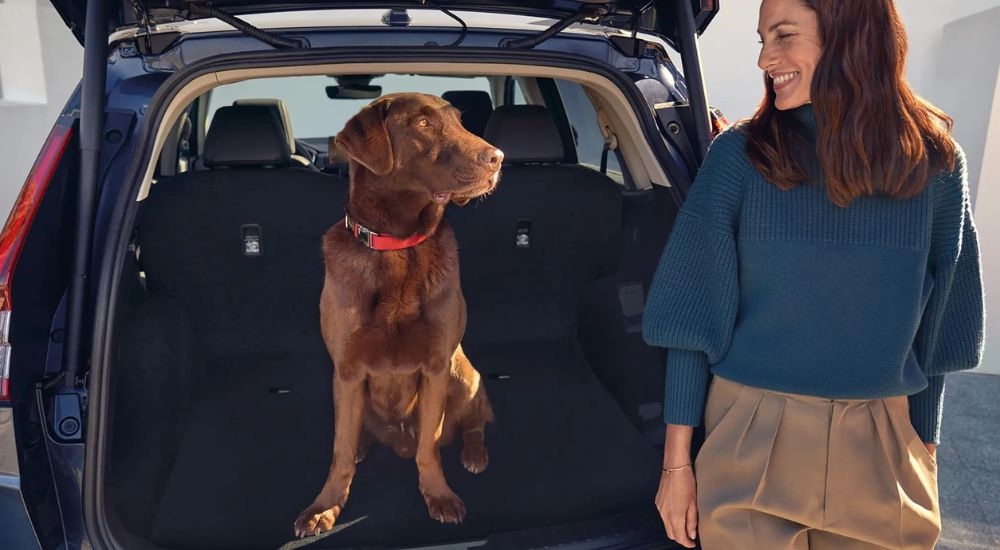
point(26, 118)
point(21, 71)
point(729, 51)
point(988, 223)
point(966, 90)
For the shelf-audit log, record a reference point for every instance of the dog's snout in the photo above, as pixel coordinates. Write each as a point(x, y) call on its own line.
point(491, 156)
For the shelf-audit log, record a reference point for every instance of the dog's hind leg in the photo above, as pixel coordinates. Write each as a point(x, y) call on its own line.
point(473, 412)
point(475, 457)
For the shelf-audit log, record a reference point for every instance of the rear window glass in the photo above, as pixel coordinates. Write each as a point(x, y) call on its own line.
point(313, 114)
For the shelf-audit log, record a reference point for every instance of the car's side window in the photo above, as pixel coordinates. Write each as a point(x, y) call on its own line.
point(519, 94)
point(513, 94)
point(585, 126)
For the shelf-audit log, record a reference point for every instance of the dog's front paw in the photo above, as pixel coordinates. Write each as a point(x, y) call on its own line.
point(475, 457)
point(316, 519)
point(445, 507)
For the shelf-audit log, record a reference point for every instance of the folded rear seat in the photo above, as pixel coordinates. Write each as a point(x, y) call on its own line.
point(238, 244)
point(530, 249)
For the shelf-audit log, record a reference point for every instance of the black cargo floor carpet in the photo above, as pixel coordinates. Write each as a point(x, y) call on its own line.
point(259, 446)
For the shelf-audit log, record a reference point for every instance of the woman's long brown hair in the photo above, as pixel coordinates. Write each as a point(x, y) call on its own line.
point(876, 136)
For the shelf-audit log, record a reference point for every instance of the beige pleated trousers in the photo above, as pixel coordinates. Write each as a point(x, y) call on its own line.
point(781, 471)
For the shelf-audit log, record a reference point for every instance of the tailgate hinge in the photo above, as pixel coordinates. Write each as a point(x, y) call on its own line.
point(145, 31)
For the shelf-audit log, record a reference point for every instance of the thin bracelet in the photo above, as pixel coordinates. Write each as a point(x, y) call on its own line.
point(672, 470)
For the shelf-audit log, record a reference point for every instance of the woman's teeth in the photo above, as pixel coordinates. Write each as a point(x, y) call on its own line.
point(783, 78)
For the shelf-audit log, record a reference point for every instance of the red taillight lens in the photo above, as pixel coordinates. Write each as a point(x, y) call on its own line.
point(16, 230)
point(719, 121)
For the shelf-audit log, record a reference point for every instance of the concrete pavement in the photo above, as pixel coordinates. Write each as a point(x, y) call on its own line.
point(969, 463)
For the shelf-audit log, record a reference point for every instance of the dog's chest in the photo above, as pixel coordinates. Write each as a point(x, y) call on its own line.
point(405, 284)
point(398, 300)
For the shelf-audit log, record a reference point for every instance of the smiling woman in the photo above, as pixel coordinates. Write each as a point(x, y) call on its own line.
point(825, 269)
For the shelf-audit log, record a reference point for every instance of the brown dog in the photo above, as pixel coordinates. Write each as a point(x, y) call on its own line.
point(392, 309)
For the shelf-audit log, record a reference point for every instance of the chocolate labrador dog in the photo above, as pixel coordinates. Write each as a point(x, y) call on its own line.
point(392, 310)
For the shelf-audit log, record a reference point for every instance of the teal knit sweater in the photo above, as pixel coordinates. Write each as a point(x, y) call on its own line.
point(784, 290)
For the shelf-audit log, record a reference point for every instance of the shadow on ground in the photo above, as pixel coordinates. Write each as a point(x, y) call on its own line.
point(969, 463)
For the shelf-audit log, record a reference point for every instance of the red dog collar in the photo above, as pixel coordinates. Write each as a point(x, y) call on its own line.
point(376, 241)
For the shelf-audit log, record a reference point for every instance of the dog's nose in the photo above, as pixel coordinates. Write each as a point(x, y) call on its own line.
point(491, 156)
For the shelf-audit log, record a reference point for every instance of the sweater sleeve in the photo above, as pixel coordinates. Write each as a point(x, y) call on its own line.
point(694, 295)
point(950, 337)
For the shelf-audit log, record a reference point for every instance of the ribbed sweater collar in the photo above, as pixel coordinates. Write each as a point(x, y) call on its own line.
point(806, 115)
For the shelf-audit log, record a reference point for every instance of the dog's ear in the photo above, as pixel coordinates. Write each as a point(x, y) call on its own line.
point(365, 138)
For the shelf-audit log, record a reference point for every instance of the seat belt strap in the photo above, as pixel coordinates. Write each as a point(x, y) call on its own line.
point(611, 144)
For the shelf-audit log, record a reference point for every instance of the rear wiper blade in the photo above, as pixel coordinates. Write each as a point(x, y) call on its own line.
point(267, 37)
point(532, 41)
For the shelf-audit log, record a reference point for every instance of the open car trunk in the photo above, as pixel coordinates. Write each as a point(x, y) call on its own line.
point(223, 417)
point(218, 445)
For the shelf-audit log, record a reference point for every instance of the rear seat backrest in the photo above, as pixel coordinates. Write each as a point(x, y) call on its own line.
point(549, 230)
point(239, 244)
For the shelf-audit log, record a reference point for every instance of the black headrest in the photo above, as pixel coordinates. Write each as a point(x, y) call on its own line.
point(246, 135)
point(525, 133)
point(476, 107)
point(279, 106)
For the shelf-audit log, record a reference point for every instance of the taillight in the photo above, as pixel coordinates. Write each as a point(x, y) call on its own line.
point(16, 230)
point(719, 121)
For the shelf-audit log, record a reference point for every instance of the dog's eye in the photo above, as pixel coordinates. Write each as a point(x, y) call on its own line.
point(423, 122)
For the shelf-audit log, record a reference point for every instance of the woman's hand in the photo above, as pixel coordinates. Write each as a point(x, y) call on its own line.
point(677, 502)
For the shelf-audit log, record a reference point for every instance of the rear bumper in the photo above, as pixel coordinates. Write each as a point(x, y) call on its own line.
point(16, 530)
